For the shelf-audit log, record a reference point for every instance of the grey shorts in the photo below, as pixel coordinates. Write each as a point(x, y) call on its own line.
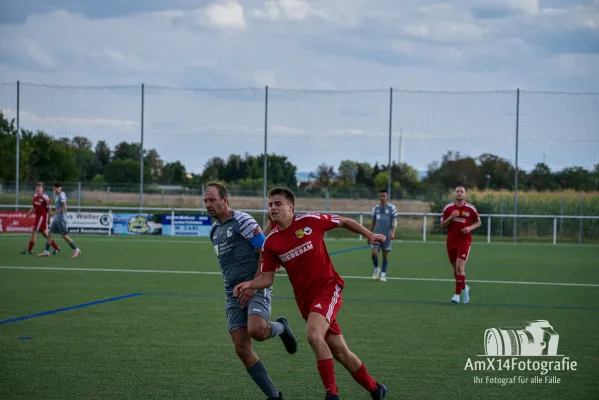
point(237, 317)
point(385, 246)
point(59, 227)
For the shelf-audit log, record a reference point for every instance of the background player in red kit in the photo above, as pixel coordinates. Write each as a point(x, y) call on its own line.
point(40, 206)
point(297, 243)
point(458, 216)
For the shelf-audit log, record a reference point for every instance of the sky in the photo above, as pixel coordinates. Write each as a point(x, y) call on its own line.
point(329, 65)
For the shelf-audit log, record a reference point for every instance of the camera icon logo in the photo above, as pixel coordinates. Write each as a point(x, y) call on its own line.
point(534, 338)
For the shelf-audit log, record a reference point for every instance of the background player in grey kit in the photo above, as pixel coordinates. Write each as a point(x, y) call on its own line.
point(237, 240)
point(384, 221)
point(59, 223)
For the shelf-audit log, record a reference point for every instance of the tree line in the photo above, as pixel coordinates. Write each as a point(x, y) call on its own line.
point(45, 158)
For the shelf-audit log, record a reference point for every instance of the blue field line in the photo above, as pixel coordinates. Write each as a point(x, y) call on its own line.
point(91, 303)
point(348, 250)
point(414, 301)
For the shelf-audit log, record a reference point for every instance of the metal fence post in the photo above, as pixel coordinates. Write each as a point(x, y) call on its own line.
point(580, 219)
point(390, 129)
point(554, 230)
point(516, 165)
point(265, 153)
point(141, 152)
point(361, 223)
point(424, 229)
point(18, 150)
point(172, 222)
point(489, 229)
point(78, 196)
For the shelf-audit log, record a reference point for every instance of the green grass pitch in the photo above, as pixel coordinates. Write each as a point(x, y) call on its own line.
point(171, 340)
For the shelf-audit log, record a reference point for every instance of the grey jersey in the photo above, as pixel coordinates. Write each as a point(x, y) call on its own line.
point(59, 200)
point(236, 244)
point(383, 216)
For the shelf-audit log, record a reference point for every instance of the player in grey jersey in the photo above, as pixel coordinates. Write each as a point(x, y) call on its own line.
point(237, 240)
point(384, 221)
point(59, 223)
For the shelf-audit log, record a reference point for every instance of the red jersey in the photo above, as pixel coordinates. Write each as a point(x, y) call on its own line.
point(301, 250)
point(41, 204)
point(468, 215)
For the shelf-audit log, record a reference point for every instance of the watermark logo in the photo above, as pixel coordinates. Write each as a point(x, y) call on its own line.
point(534, 338)
point(530, 348)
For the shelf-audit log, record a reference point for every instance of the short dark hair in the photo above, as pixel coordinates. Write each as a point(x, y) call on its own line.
point(462, 185)
point(222, 189)
point(288, 194)
point(57, 184)
point(383, 191)
point(39, 184)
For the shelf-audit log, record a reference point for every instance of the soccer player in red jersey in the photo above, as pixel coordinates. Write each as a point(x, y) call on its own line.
point(298, 244)
point(460, 218)
point(41, 207)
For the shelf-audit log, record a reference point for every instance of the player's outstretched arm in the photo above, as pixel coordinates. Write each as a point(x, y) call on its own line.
point(265, 280)
point(356, 227)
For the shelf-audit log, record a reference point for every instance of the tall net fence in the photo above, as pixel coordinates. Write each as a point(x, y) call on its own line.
point(148, 146)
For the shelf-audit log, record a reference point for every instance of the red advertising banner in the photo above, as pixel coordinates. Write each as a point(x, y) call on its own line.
point(16, 222)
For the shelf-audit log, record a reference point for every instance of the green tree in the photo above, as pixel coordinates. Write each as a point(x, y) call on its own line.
point(8, 154)
point(347, 173)
point(103, 156)
point(324, 175)
point(455, 169)
point(499, 171)
point(214, 169)
point(127, 151)
point(124, 171)
point(365, 174)
point(576, 178)
point(174, 173)
point(541, 178)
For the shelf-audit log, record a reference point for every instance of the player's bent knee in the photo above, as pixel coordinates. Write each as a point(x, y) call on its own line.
point(314, 337)
point(341, 355)
point(258, 329)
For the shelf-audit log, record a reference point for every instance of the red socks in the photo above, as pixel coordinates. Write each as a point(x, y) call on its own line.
point(460, 283)
point(31, 244)
point(326, 369)
point(363, 378)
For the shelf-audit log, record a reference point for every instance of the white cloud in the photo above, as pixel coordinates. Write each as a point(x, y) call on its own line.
point(288, 10)
point(317, 45)
point(36, 53)
point(526, 7)
point(226, 14)
point(265, 78)
point(580, 64)
point(446, 31)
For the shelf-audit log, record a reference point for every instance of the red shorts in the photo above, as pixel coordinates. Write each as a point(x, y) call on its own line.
point(327, 302)
point(460, 251)
point(41, 223)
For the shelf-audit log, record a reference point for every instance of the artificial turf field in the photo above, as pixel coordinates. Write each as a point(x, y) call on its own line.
point(162, 332)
